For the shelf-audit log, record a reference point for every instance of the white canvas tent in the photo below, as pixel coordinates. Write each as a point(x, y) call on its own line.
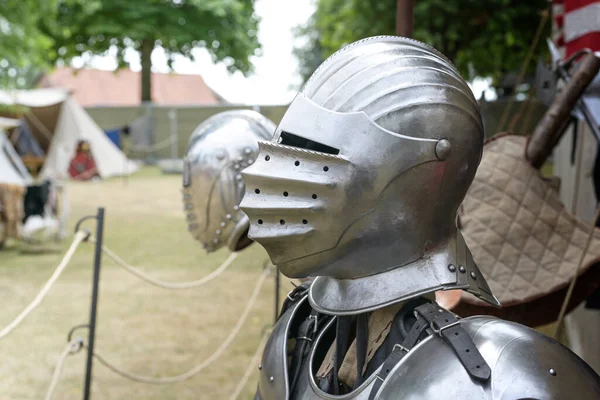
point(12, 170)
point(59, 122)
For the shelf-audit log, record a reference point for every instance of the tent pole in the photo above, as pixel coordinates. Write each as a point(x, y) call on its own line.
point(174, 133)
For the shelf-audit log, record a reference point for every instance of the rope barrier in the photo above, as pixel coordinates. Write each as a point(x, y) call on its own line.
point(79, 237)
point(200, 367)
point(251, 367)
point(167, 285)
point(71, 348)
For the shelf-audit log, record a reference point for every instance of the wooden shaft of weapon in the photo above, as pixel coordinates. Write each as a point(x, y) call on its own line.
point(548, 131)
point(404, 17)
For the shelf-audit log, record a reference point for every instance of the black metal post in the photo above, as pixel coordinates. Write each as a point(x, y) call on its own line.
point(277, 283)
point(94, 306)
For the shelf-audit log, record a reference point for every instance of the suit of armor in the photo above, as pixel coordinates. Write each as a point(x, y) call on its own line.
point(359, 187)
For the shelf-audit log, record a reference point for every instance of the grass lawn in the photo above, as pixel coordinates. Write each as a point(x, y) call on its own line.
point(142, 328)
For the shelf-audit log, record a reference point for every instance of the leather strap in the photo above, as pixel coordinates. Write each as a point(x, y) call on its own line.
point(448, 327)
point(436, 320)
point(398, 353)
point(362, 339)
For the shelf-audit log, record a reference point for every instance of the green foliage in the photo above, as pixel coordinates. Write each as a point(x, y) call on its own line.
point(226, 28)
point(24, 48)
point(492, 37)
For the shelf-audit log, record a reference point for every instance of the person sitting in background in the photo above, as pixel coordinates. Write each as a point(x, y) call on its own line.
point(83, 167)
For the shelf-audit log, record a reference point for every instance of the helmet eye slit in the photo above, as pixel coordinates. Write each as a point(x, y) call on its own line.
point(289, 139)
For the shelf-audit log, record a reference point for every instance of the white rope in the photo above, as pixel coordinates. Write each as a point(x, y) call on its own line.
point(70, 348)
point(200, 367)
point(251, 367)
point(167, 285)
point(79, 237)
point(154, 147)
point(565, 304)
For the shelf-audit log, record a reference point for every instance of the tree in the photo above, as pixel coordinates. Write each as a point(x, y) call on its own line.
point(489, 37)
point(24, 48)
point(226, 28)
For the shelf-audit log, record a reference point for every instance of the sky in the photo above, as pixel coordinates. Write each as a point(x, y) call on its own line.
point(275, 71)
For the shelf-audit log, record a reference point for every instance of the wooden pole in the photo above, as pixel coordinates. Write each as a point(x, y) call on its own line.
point(404, 18)
point(550, 128)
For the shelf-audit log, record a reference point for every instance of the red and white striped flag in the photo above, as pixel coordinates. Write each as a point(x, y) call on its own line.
point(576, 25)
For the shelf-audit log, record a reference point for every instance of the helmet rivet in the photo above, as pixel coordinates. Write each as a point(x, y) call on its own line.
point(443, 149)
point(220, 155)
point(259, 366)
point(238, 177)
point(236, 166)
point(247, 151)
point(223, 224)
point(461, 268)
point(228, 216)
point(552, 371)
point(451, 267)
point(236, 207)
point(240, 159)
point(272, 379)
point(473, 275)
point(218, 232)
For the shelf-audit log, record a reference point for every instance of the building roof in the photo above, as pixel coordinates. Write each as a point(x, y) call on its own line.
point(97, 88)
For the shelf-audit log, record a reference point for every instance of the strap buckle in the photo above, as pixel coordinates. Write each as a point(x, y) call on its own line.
point(316, 318)
point(399, 346)
point(439, 330)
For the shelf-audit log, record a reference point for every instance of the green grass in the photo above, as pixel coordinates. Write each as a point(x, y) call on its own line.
point(143, 329)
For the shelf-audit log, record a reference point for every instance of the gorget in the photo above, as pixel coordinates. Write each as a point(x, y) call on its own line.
point(449, 267)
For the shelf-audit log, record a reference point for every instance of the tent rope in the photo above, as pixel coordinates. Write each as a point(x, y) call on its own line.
point(536, 39)
point(154, 147)
point(40, 125)
point(565, 304)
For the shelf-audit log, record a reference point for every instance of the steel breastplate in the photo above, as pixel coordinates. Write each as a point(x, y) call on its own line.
point(307, 388)
point(525, 365)
point(273, 381)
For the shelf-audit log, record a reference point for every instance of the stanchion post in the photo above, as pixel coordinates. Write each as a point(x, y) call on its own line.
point(94, 305)
point(277, 283)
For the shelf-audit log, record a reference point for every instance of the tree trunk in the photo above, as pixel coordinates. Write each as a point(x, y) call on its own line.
point(146, 52)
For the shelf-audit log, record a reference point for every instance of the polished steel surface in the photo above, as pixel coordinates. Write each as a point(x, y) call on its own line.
point(307, 388)
point(364, 176)
point(525, 365)
point(273, 376)
point(218, 150)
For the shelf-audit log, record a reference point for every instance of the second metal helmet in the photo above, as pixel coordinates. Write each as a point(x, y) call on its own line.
point(362, 180)
point(218, 150)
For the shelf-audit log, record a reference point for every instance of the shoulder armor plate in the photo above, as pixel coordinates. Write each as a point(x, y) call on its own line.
point(525, 365)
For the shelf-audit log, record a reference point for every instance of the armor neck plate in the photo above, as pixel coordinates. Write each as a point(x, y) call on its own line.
point(447, 268)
